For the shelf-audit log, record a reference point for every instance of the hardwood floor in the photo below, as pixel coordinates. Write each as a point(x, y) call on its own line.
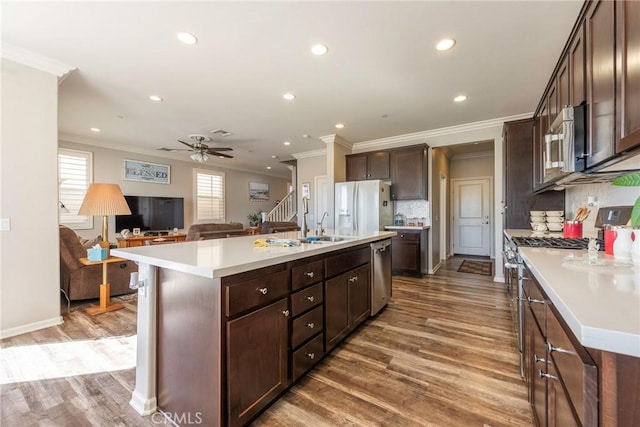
point(441, 354)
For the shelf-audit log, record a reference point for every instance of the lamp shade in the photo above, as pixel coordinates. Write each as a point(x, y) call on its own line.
point(104, 199)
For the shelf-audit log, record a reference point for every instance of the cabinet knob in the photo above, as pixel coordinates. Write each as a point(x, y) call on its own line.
point(310, 273)
point(311, 355)
point(545, 375)
point(310, 298)
point(537, 359)
point(286, 313)
point(534, 301)
point(311, 325)
point(402, 235)
point(353, 279)
point(551, 349)
point(263, 291)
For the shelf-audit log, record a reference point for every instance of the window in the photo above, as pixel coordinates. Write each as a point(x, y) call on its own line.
point(209, 189)
point(74, 177)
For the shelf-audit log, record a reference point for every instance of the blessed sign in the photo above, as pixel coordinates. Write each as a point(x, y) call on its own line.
point(135, 170)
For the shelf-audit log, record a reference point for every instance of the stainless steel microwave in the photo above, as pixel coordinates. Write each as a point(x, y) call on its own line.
point(565, 144)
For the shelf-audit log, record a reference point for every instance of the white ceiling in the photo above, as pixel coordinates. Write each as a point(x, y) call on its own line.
point(381, 61)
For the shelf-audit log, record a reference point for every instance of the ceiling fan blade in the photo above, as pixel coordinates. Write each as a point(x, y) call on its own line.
point(211, 150)
point(172, 150)
point(187, 144)
point(214, 153)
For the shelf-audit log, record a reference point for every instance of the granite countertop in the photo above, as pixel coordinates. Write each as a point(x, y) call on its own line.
point(224, 257)
point(599, 303)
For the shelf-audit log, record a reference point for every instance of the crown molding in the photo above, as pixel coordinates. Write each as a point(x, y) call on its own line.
point(475, 155)
point(158, 153)
point(307, 154)
point(422, 137)
point(337, 139)
point(37, 61)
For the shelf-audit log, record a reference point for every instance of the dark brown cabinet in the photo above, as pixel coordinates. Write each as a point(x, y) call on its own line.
point(563, 85)
point(409, 173)
point(601, 84)
point(628, 75)
point(257, 360)
point(518, 197)
point(577, 69)
point(346, 304)
point(405, 257)
point(363, 166)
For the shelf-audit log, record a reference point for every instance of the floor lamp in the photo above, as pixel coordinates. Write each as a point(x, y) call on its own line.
point(105, 200)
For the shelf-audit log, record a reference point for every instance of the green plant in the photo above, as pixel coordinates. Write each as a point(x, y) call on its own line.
point(254, 218)
point(631, 180)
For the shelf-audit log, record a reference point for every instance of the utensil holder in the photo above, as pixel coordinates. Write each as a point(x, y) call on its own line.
point(572, 229)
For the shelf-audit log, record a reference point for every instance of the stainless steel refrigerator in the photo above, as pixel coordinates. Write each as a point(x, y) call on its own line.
point(363, 205)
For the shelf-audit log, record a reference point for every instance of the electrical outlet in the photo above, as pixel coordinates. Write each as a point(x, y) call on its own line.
point(5, 224)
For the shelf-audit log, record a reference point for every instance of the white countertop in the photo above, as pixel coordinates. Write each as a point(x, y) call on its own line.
point(406, 227)
point(224, 257)
point(601, 304)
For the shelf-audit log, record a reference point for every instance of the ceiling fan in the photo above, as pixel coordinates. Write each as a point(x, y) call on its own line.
point(200, 150)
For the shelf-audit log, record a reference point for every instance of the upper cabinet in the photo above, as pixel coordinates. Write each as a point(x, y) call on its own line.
point(409, 173)
point(374, 165)
point(601, 82)
point(577, 68)
point(628, 75)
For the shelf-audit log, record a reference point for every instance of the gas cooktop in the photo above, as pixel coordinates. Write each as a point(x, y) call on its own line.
point(555, 242)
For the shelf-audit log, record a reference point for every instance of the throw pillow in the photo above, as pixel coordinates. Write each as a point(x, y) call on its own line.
point(89, 243)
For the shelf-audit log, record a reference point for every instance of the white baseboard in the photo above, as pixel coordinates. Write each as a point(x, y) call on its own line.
point(23, 329)
point(436, 268)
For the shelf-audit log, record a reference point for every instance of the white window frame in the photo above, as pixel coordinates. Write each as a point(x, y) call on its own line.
point(71, 192)
point(209, 172)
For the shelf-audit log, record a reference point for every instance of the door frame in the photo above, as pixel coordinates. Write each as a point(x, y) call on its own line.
point(443, 217)
point(492, 220)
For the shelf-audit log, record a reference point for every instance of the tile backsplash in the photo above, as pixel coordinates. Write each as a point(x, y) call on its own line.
point(413, 209)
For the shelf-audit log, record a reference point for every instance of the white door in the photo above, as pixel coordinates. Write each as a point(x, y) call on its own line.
point(321, 201)
point(472, 217)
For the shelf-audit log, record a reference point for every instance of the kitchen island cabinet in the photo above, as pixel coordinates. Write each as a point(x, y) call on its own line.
point(235, 325)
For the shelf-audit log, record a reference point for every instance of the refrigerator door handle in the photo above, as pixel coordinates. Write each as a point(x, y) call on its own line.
point(354, 223)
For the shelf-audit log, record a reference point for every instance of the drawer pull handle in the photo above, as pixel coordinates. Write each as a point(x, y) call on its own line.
point(310, 274)
point(524, 278)
point(263, 291)
point(353, 279)
point(551, 349)
point(402, 235)
point(311, 325)
point(311, 355)
point(544, 375)
point(310, 298)
point(286, 313)
point(537, 359)
point(534, 301)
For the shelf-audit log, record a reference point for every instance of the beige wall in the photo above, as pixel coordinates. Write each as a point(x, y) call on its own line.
point(108, 164)
point(472, 167)
point(29, 254)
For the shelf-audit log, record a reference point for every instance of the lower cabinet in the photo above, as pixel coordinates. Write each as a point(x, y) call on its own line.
point(405, 258)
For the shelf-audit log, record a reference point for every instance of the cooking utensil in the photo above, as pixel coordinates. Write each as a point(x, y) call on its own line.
point(582, 213)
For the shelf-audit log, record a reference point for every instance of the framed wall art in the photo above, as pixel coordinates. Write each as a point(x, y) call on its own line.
point(258, 191)
point(135, 170)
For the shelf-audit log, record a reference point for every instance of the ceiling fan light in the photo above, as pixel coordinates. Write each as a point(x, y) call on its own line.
point(204, 157)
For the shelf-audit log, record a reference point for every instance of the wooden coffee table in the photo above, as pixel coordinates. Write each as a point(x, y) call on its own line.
point(105, 288)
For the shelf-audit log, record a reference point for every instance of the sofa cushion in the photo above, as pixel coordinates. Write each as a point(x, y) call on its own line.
point(213, 231)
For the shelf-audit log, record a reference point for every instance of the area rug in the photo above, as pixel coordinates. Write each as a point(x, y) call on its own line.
point(476, 267)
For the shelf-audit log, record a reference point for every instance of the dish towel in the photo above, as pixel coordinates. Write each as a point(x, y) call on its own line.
point(283, 243)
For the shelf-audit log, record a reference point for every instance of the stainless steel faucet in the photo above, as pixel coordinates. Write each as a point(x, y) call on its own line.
point(321, 231)
point(305, 211)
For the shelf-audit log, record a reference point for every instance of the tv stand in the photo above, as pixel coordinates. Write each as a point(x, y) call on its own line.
point(156, 233)
point(133, 241)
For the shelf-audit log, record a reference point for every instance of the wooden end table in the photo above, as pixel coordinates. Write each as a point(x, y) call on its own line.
point(105, 287)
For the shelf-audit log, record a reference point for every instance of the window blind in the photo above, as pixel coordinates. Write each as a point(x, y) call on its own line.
point(210, 201)
point(74, 177)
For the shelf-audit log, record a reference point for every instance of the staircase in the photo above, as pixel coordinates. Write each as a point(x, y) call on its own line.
point(286, 210)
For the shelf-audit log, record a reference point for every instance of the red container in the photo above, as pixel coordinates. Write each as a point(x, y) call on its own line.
point(572, 229)
point(609, 237)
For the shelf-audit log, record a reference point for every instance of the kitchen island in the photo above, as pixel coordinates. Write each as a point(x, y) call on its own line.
point(225, 327)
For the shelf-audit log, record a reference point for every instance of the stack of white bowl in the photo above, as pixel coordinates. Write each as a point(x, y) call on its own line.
point(538, 220)
point(555, 220)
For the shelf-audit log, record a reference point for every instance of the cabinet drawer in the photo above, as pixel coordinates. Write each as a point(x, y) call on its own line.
point(575, 368)
point(346, 261)
point(307, 274)
point(305, 299)
point(536, 300)
point(256, 292)
point(307, 356)
point(407, 236)
point(306, 326)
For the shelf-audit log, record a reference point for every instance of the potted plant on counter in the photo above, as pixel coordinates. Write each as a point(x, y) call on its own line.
point(254, 219)
point(633, 180)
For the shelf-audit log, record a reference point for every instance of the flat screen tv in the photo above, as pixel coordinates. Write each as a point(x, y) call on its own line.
point(152, 213)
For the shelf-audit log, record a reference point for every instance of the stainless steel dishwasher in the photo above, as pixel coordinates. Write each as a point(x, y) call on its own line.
point(380, 275)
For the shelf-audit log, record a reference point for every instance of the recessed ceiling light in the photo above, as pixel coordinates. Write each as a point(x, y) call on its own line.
point(289, 96)
point(268, 167)
point(319, 49)
point(339, 126)
point(155, 98)
point(460, 98)
point(274, 157)
point(445, 44)
point(286, 143)
point(187, 38)
point(95, 130)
